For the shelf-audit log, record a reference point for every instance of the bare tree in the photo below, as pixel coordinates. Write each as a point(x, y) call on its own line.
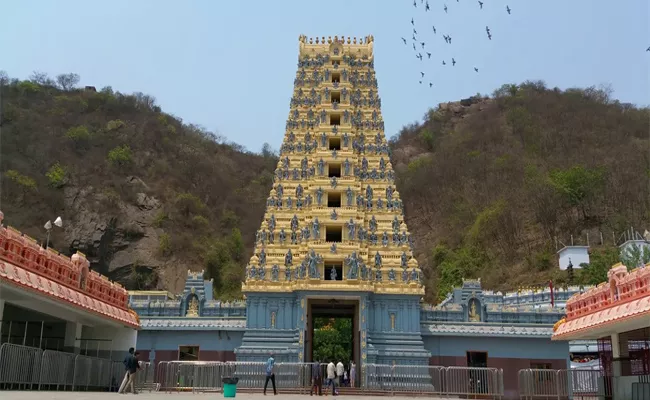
point(41, 78)
point(67, 82)
point(4, 78)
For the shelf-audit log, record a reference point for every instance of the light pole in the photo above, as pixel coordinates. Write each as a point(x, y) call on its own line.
point(48, 227)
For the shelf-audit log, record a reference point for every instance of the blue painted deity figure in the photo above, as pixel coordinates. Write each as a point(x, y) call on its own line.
point(252, 272)
point(378, 275)
point(294, 222)
point(271, 237)
point(333, 182)
point(319, 196)
point(294, 237)
point(308, 199)
point(414, 275)
point(262, 257)
point(263, 236)
point(296, 174)
point(353, 266)
point(279, 190)
point(346, 116)
point(390, 175)
point(374, 115)
point(299, 149)
point(377, 260)
point(283, 236)
point(395, 238)
point(299, 203)
point(312, 171)
point(327, 73)
point(373, 174)
point(303, 270)
point(312, 260)
point(289, 203)
point(315, 227)
point(275, 271)
point(364, 271)
point(360, 233)
point(288, 258)
point(380, 203)
point(285, 174)
point(333, 248)
point(327, 93)
point(304, 163)
point(261, 273)
point(270, 202)
point(405, 275)
point(344, 74)
point(373, 224)
point(403, 239)
point(389, 192)
point(384, 239)
point(346, 140)
point(334, 215)
point(321, 167)
point(351, 226)
point(333, 274)
point(369, 204)
point(299, 191)
point(395, 224)
point(334, 153)
point(391, 275)
point(323, 140)
point(368, 192)
point(364, 164)
point(382, 164)
point(307, 139)
point(359, 200)
point(285, 162)
point(323, 116)
point(350, 196)
point(373, 239)
point(404, 260)
point(335, 128)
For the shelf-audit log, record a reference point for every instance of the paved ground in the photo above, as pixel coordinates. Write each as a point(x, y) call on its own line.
point(16, 395)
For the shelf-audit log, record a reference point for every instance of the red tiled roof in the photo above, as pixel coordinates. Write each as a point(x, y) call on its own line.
point(24, 279)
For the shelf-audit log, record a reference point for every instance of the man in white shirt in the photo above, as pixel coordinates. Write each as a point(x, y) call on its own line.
point(340, 370)
point(331, 376)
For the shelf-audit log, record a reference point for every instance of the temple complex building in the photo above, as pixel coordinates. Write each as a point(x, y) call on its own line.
point(617, 314)
point(50, 302)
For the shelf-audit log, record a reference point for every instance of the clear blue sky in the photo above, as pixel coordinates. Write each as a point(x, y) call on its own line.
point(230, 65)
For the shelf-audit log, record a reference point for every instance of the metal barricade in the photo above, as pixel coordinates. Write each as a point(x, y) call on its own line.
point(19, 367)
point(57, 370)
point(466, 381)
point(559, 384)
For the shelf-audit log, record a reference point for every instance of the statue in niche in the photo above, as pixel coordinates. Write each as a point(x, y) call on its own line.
point(403, 239)
point(321, 167)
point(323, 114)
point(346, 139)
point(333, 182)
point(382, 164)
point(351, 227)
point(404, 260)
point(389, 193)
point(359, 200)
point(327, 92)
point(272, 222)
point(252, 272)
point(262, 273)
point(414, 275)
point(288, 258)
point(395, 238)
point(287, 273)
point(333, 274)
point(305, 233)
point(316, 228)
point(279, 190)
point(308, 200)
point(364, 271)
point(378, 260)
point(474, 313)
point(192, 307)
point(373, 224)
point(333, 248)
point(294, 237)
point(263, 236)
point(275, 271)
point(380, 203)
point(299, 203)
point(296, 174)
point(369, 204)
point(334, 153)
point(384, 239)
point(378, 275)
point(299, 191)
point(323, 140)
point(350, 196)
point(294, 223)
point(368, 192)
point(319, 196)
point(283, 236)
point(271, 237)
point(395, 224)
point(303, 270)
point(313, 265)
point(391, 275)
point(285, 162)
point(374, 238)
point(273, 320)
point(364, 164)
point(289, 203)
point(405, 276)
point(353, 266)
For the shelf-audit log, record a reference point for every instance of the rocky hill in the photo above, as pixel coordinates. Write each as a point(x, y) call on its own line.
point(487, 182)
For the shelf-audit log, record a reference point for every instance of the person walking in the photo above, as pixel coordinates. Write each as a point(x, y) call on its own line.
point(316, 381)
point(353, 373)
point(331, 377)
point(126, 370)
point(270, 375)
point(340, 370)
point(133, 367)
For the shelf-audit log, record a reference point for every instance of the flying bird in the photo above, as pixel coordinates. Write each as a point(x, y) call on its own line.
point(414, 39)
point(449, 39)
point(443, 62)
point(412, 22)
point(426, 8)
point(430, 84)
point(415, 4)
point(422, 74)
point(508, 9)
point(404, 40)
point(445, 8)
point(480, 3)
point(420, 56)
point(487, 29)
point(429, 54)
point(434, 30)
point(422, 43)
point(648, 49)
point(453, 62)
point(414, 49)
point(475, 69)
point(420, 82)
point(446, 38)
point(490, 36)
point(415, 32)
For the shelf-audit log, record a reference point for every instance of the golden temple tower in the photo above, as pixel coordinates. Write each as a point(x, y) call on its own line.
point(334, 220)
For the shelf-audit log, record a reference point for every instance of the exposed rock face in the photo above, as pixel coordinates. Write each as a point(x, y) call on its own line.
point(119, 239)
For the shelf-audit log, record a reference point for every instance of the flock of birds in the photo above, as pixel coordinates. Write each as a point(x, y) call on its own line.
point(420, 46)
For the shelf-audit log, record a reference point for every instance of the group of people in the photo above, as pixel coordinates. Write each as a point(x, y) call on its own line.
point(132, 365)
point(336, 376)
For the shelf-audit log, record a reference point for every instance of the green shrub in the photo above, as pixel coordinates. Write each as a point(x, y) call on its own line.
point(22, 180)
point(29, 87)
point(114, 125)
point(78, 134)
point(57, 175)
point(120, 155)
point(164, 244)
point(160, 219)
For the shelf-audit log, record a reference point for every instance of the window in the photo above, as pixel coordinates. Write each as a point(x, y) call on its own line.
point(335, 119)
point(334, 199)
point(335, 143)
point(534, 365)
point(334, 233)
point(336, 77)
point(334, 170)
point(335, 97)
point(338, 267)
point(188, 353)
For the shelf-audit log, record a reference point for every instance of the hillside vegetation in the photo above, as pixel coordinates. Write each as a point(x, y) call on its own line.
point(488, 183)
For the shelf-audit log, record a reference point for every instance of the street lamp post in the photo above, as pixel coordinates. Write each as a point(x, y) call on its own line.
point(48, 227)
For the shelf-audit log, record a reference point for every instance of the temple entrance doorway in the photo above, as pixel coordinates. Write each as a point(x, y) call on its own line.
point(332, 333)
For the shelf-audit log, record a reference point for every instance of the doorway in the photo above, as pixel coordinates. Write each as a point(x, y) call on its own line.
point(477, 376)
point(332, 332)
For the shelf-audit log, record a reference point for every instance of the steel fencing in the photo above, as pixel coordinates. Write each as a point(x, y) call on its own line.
point(559, 384)
point(30, 368)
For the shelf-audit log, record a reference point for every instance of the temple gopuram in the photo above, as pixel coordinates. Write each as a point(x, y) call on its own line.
point(334, 243)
